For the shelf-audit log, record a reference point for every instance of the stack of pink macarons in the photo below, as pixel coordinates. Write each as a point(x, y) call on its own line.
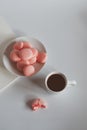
point(24, 55)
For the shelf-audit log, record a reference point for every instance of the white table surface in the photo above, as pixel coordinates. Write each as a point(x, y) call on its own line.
point(62, 26)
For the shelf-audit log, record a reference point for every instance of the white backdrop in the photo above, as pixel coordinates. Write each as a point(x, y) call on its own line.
point(62, 26)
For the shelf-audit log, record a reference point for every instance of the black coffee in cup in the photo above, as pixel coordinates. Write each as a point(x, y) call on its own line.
point(56, 82)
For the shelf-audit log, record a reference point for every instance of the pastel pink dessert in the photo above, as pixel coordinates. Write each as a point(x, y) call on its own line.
point(27, 44)
point(25, 56)
point(35, 51)
point(18, 45)
point(42, 57)
point(14, 56)
point(38, 103)
point(33, 60)
point(28, 70)
point(21, 64)
point(22, 44)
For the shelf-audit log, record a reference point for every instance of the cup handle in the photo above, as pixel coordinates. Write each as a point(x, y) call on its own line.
point(71, 83)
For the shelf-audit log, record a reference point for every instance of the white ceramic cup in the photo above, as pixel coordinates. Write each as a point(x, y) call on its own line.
point(56, 82)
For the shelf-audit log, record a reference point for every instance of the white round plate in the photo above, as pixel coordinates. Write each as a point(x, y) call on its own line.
point(10, 66)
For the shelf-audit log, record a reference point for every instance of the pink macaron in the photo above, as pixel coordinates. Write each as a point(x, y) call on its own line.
point(33, 60)
point(42, 57)
point(25, 54)
point(18, 45)
point(28, 70)
point(21, 64)
point(27, 44)
point(35, 51)
point(14, 56)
